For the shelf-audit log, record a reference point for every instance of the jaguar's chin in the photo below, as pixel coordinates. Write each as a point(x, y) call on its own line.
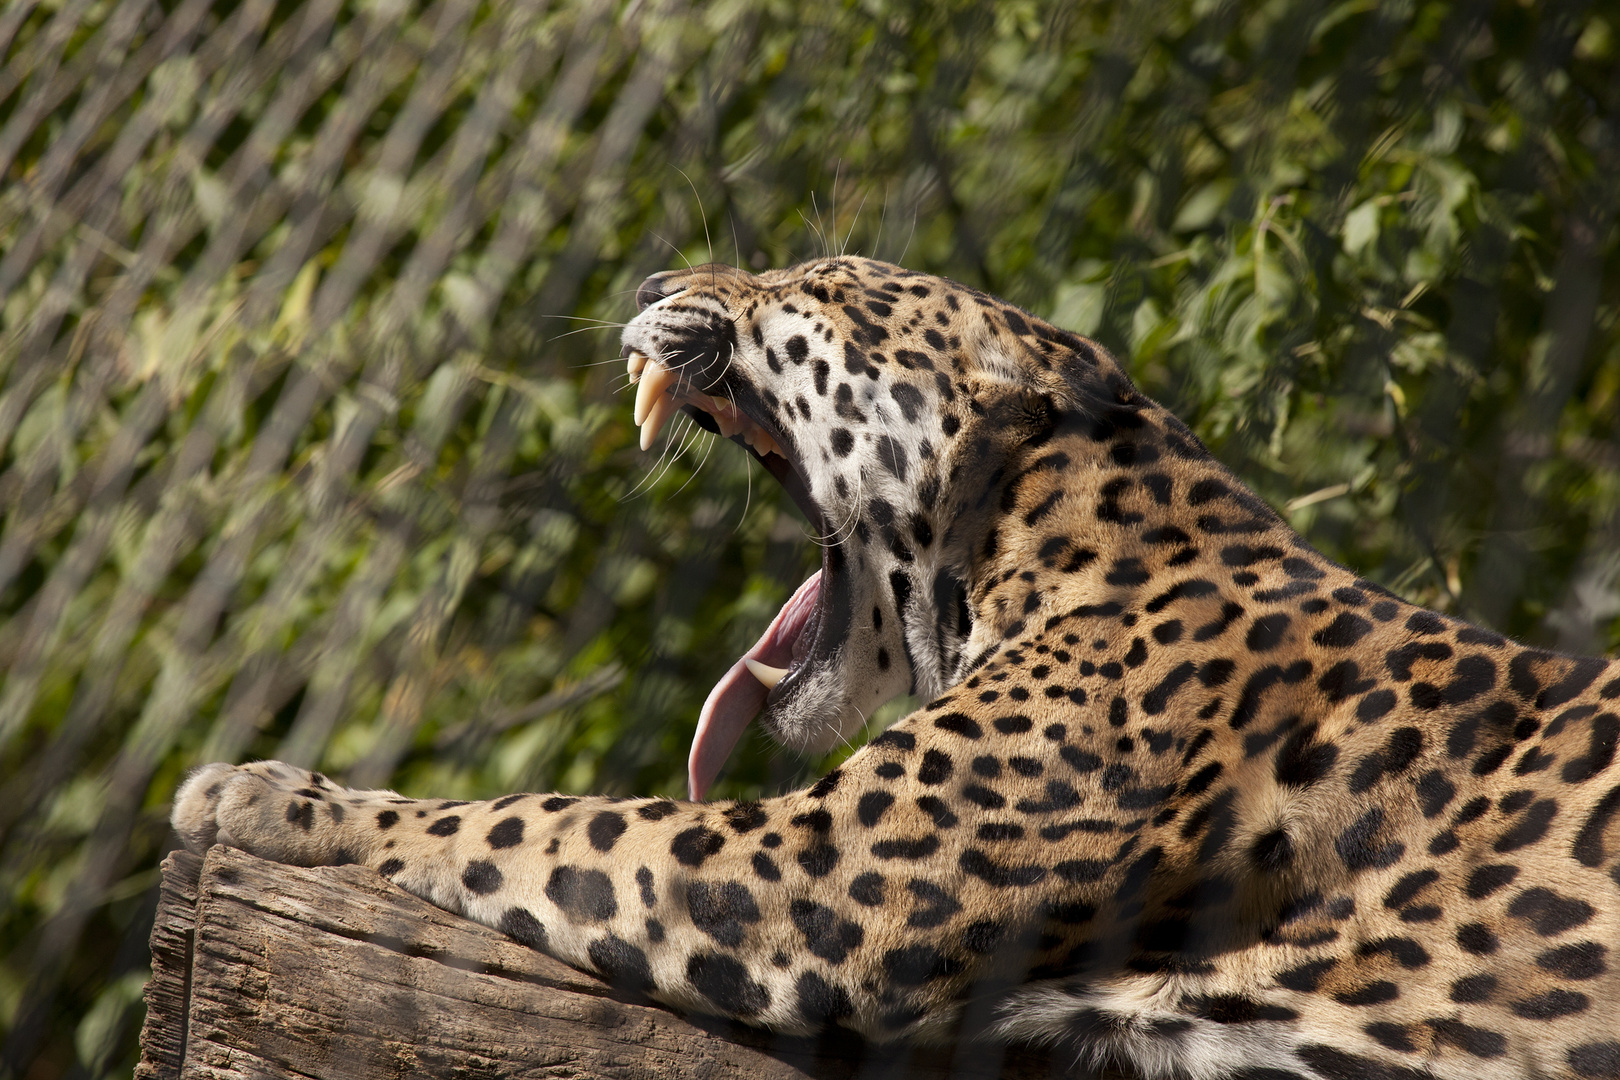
point(793, 680)
point(808, 708)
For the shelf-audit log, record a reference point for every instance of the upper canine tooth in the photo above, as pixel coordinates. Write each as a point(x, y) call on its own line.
point(766, 674)
point(663, 407)
point(634, 363)
point(655, 379)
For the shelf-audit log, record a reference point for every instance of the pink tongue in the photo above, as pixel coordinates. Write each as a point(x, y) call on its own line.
point(737, 698)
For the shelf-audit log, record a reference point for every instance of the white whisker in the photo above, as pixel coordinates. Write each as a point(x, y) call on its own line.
point(813, 227)
point(673, 248)
point(702, 213)
point(883, 213)
point(671, 451)
point(704, 460)
point(587, 318)
point(648, 481)
point(836, 168)
point(748, 500)
point(583, 329)
point(902, 259)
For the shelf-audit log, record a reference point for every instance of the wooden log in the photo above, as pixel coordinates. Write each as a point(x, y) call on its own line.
point(264, 970)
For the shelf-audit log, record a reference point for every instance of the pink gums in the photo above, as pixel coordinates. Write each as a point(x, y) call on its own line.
point(738, 697)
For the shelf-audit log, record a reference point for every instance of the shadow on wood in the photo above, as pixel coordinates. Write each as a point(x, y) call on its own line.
point(264, 970)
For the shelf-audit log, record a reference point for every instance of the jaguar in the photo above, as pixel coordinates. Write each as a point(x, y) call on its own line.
point(1187, 798)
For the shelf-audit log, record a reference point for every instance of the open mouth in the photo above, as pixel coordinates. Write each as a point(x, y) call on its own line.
point(800, 637)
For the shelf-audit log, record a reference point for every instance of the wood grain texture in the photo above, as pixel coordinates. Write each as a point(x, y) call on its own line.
point(264, 970)
point(163, 1037)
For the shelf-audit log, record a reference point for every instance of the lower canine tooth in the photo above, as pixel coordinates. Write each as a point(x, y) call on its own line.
point(663, 407)
point(766, 674)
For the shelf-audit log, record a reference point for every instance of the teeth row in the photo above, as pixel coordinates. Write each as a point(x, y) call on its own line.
point(659, 397)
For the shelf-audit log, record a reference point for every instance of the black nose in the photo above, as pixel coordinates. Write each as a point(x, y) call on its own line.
point(656, 288)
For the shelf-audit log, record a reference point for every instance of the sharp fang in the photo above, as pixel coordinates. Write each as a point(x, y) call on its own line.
point(732, 422)
point(716, 408)
point(645, 394)
point(655, 379)
point(634, 363)
point(766, 674)
point(761, 441)
point(663, 408)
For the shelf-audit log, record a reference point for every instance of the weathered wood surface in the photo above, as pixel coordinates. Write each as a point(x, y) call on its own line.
point(263, 970)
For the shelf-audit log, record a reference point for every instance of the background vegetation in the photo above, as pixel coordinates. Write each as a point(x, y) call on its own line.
point(312, 444)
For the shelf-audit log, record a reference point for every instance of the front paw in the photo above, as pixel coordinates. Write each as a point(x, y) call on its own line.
point(196, 806)
point(269, 809)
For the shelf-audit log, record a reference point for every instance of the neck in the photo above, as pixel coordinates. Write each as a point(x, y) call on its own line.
point(1082, 523)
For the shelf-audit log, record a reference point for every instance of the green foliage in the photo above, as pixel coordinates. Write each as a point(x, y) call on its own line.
point(312, 440)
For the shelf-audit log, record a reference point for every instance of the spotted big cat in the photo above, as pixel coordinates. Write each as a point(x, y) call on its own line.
point(1186, 797)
